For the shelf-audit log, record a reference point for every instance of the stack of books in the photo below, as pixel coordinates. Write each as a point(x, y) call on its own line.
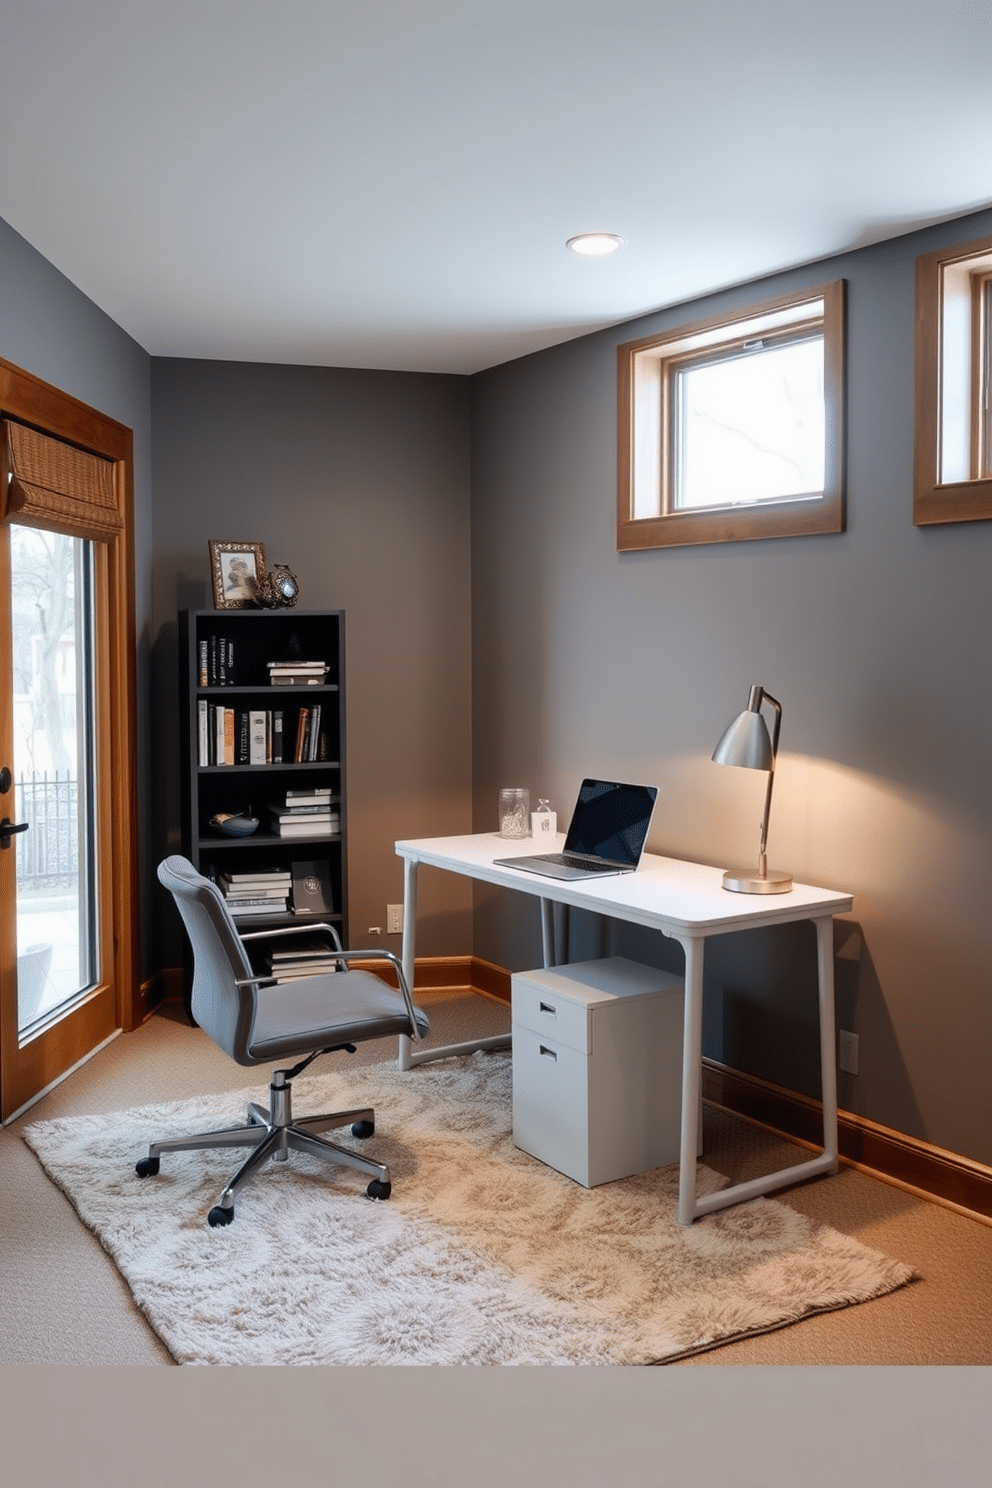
point(297, 673)
point(262, 891)
point(306, 813)
point(308, 955)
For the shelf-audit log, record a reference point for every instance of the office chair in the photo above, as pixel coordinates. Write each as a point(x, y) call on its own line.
point(256, 1020)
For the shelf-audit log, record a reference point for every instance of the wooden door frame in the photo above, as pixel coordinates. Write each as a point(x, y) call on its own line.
point(28, 400)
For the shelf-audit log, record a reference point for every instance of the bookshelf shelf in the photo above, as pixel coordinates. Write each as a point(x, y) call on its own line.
point(263, 748)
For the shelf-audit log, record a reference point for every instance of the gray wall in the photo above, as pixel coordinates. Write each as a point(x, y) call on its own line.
point(49, 328)
point(876, 641)
point(359, 481)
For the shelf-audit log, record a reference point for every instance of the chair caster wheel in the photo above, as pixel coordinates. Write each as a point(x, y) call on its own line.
point(363, 1129)
point(379, 1190)
point(147, 1167)
point(219, 1216)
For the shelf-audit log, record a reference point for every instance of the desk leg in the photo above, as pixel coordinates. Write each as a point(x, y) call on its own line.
point(408, 1057)
point(828, 1040)
point(692, 1063)
point(548, 947)
point(689, 1206)
point(409, 952)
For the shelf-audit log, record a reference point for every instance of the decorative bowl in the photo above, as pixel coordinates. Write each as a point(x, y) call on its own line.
point(239, 825)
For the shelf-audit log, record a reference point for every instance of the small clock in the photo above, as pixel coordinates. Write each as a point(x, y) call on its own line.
point(282, 588)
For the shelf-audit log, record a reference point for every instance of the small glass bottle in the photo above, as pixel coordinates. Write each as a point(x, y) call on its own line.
point(543, 822)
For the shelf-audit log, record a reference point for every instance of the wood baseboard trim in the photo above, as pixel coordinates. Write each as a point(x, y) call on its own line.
point(906, 1162)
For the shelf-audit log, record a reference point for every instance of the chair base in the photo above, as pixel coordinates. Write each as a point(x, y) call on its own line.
point(272, 1134)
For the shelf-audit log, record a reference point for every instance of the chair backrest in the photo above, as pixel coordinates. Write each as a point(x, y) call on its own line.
point(223, 1010)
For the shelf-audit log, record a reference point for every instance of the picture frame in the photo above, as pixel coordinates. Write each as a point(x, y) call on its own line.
point(238, 571)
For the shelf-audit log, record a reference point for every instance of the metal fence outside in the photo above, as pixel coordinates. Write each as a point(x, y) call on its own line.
point(48, 854)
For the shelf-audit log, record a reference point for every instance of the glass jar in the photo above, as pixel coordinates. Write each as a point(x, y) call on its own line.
point(514, 812)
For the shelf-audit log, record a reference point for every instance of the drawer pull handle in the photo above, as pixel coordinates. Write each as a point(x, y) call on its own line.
point(549, 1053)
point(546, 1007)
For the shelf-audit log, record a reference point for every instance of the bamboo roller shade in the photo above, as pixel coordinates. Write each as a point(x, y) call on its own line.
point(46, 483)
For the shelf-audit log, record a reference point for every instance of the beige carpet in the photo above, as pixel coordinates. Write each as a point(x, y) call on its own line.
point(482, 1255)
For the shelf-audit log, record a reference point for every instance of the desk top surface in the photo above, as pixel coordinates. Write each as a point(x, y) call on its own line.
point(663, 892)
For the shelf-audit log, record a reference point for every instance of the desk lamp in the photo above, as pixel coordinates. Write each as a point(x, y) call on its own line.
point(746, 743)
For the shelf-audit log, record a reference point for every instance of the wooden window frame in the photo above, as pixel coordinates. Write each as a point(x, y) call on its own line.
point(644, 421)
point(936, 500)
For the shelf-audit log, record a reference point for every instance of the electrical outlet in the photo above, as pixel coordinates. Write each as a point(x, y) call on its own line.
point(374, 930)
point(394, 919)
point(848, 1052)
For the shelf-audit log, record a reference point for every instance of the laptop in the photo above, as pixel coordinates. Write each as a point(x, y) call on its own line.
point(606, 835)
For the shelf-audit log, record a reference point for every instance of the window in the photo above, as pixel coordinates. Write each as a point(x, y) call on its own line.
point(953, 456)
point(732, 428)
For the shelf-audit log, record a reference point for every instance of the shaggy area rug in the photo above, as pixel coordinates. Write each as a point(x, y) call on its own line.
point(481, 1256)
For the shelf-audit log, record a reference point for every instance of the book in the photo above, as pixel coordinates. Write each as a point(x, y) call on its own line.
point(242, 739)
point(204, 663)
point(307, 948)
point(302, 724)
point(277, 736)
point(306, 969)
point(274, 908)
point(316, 793)
point(256, 737)
point(312, 827)
point(228, 758)
point(274, 880)
point(314, 732)
point(253, 893)
point(297, 810)
point(261, 900)
point(312, 887)
point(202, 736)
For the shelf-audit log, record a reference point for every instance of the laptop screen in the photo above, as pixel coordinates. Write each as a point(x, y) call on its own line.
point(611, 821)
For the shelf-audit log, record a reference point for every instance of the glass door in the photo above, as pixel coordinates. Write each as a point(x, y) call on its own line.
point(52, 631)
point(56, 994)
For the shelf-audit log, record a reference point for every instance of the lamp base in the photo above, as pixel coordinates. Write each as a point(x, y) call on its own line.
point(751, 881)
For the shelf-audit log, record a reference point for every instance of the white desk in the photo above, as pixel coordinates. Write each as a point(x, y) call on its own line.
point(685, 901)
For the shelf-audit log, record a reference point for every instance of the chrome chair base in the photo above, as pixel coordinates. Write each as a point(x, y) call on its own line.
point(272, 1134)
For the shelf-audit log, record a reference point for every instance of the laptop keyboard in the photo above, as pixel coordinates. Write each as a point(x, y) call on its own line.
point(569, 860)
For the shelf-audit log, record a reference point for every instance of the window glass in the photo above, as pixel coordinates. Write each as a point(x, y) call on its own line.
point(751, 426)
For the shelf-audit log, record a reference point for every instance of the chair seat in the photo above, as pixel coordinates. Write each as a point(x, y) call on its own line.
point(314, 1012)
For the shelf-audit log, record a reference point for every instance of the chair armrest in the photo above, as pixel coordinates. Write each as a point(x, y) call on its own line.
point(292, 930)
point(346, 957)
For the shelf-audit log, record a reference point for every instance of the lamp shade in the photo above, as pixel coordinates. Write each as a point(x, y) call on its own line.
point(746, 743)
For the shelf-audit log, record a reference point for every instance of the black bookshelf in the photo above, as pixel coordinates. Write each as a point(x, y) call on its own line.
point(237, 759)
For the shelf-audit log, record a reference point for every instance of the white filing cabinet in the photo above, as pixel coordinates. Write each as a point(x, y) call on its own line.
point(597, 1067)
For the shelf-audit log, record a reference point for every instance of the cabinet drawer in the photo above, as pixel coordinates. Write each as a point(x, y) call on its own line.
point(547, 1010)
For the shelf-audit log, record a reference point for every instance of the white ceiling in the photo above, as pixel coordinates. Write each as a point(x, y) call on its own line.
point(390, 183)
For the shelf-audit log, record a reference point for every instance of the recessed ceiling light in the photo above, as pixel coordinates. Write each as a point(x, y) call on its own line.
point(594, 245)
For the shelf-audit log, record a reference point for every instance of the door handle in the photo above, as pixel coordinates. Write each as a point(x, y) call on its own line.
point(8, 828)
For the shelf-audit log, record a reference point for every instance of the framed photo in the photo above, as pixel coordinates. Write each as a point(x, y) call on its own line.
point(237, 569)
